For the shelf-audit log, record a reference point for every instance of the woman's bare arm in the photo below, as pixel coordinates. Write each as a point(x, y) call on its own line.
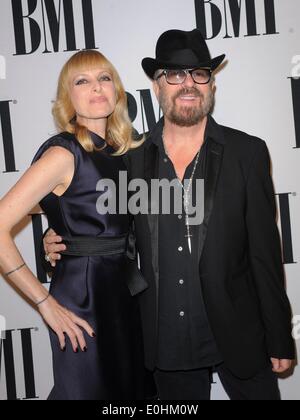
point(53, 172)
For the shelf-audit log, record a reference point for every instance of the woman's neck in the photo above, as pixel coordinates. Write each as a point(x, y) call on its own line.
point(97, 126)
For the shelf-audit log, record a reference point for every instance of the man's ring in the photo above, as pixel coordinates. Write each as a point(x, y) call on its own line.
point(47, 258)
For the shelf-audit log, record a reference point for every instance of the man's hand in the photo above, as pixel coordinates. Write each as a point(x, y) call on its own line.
point(281, 365)
point(52, 246)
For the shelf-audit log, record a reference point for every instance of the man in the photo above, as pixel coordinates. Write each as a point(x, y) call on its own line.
point(216, 297)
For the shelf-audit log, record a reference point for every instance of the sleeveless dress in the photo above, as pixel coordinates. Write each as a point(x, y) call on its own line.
point(94, 287)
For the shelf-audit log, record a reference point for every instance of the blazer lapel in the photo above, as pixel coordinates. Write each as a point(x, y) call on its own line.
point(212, 172)
point(151, 171)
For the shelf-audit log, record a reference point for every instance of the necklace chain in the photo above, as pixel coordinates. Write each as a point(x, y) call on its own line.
point(186, 192)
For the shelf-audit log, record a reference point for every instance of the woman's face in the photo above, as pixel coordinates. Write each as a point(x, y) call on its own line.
point(93, 94)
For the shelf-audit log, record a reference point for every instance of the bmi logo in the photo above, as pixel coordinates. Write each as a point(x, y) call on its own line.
point(53, 25)
point(8, 361)
point(235, 18)
point(295, 85)
point(7, 136)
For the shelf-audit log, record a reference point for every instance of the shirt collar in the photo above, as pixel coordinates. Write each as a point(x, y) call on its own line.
point(213, 131)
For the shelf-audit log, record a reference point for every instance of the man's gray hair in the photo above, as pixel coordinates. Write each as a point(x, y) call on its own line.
point(157, 73)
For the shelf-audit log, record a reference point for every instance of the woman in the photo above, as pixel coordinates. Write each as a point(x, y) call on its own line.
point(94, 320)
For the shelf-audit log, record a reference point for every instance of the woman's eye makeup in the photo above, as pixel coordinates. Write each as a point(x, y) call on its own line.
point(101, 78)
point(105, 78)
point(80, 82)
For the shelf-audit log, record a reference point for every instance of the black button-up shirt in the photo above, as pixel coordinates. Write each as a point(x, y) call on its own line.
point(185, 338)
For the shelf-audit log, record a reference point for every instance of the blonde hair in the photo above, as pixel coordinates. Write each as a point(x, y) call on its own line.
point(119, 130)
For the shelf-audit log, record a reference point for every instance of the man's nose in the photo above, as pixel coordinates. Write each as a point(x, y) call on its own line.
point(189, 81)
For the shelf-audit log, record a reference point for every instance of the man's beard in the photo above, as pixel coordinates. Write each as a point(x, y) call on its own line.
point(187, 116)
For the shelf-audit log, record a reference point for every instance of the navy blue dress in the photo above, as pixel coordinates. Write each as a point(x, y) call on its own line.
point(94, 288)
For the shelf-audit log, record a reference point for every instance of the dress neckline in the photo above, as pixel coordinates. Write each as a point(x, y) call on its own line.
point(97, 140)
point(100, 142)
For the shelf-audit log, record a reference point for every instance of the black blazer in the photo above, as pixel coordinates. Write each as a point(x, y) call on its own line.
point(240, 261)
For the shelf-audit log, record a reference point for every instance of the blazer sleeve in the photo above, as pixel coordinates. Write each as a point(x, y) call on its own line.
point(266, 257)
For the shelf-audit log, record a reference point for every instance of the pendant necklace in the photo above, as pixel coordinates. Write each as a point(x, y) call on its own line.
point(186, 195)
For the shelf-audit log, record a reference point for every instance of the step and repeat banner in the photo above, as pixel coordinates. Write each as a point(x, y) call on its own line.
point(258, 91)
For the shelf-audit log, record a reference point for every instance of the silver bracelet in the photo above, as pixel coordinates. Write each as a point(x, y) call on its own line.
point(43, 300)
point(16, 269)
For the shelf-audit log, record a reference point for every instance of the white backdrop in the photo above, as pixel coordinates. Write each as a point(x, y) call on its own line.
point(257, 91)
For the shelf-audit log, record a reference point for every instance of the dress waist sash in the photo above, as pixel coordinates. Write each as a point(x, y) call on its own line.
point(86, 246)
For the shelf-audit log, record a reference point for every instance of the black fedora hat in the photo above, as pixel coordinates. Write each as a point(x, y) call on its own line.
point(177, 49)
